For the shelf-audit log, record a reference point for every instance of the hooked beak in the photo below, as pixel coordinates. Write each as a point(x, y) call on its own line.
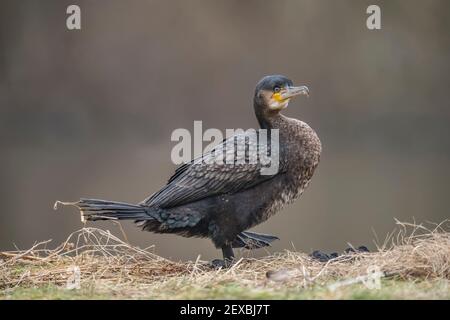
point(290, 92)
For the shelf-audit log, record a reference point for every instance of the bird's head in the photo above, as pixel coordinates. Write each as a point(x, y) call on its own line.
point(273, 93)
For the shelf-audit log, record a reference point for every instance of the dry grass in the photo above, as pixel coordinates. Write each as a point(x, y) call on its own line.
point(110, 267)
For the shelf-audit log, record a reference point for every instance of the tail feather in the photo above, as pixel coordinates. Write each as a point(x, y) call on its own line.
point(95, 209)
point(252, 240)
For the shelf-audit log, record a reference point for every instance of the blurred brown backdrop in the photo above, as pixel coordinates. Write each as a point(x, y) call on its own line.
point(89, 113)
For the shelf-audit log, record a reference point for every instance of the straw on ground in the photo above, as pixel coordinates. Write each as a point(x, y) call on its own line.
point(414, 262)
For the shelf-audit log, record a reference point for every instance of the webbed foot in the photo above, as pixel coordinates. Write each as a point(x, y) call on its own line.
point(221, 263)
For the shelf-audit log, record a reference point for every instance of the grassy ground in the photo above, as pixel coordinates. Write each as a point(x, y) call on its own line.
point(390, 289)
point(414, 263)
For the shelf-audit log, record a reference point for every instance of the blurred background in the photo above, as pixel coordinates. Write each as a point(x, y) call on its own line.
point(89, 113)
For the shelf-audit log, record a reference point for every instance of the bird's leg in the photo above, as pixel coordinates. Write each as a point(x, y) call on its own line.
point(228, 258)
point(228, 254)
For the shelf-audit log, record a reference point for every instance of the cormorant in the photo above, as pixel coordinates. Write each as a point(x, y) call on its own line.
point(221, 201)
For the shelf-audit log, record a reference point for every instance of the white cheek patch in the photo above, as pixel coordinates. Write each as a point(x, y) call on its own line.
point(273, 104)
point(276, 105)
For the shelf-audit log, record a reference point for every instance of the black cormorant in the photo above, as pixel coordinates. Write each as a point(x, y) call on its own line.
point(220, 200)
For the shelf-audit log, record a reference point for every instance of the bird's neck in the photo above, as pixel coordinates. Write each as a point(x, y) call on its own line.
point(269, 119)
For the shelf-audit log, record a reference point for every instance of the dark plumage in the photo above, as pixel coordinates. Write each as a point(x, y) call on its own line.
point(223, 200)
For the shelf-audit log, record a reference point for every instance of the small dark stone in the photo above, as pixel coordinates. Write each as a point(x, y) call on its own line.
point(363, 249)
point(319, 255)
point(349, 250)
point(333, 255)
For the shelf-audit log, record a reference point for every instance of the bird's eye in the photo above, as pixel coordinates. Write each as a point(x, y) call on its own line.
point(276, 89)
